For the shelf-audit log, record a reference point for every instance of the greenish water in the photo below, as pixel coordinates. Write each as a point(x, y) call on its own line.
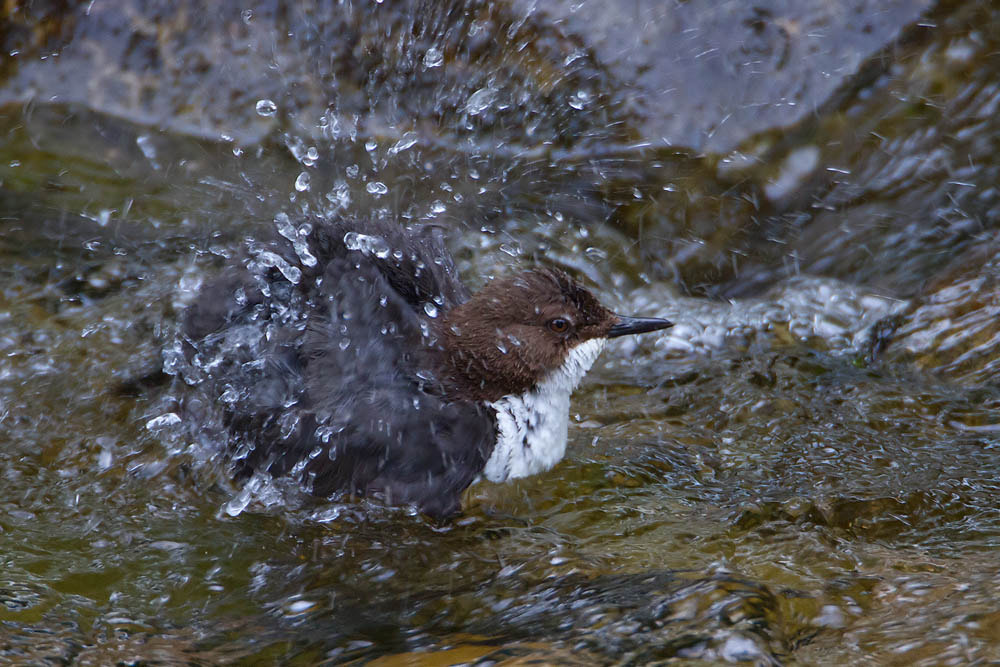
point(803, 471)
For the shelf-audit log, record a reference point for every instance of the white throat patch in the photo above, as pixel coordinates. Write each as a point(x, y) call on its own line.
point(531, 427)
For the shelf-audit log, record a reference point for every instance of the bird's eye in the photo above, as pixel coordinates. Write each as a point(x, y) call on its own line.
point(559, 325)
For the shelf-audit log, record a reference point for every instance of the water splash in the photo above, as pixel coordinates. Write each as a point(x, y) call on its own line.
point(297, 237)
point(368, 244)
point(266, 108)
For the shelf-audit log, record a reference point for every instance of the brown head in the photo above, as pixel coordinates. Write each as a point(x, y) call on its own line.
point(517, 330)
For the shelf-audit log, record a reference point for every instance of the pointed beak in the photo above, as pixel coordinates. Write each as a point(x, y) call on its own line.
point(637, 325)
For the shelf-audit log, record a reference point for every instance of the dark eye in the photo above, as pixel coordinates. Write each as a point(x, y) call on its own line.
point(559, 325)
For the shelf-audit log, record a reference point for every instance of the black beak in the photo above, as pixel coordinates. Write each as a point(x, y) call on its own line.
point(637, 325)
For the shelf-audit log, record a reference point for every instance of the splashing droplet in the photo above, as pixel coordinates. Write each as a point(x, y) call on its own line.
point(302, 182)
point(406, 141)
point(375, 245)
point(433, 57)
point(163, 421)
point(579, 99)
point(266, 108)
point(480, 101)
point(377, 188)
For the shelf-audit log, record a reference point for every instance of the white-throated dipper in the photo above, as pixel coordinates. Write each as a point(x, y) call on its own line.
point(350, 356)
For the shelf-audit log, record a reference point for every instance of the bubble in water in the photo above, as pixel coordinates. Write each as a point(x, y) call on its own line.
point(430, 309)
point(352, 171)
point(344, 343)
point(371, 145)
point(266, 108)
point(433, 58)
point(302, 182)
point(377, 188)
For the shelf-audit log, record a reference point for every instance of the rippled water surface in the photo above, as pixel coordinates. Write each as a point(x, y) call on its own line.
point(802, 471)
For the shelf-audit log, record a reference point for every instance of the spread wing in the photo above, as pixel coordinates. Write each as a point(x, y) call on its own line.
point(328, 377)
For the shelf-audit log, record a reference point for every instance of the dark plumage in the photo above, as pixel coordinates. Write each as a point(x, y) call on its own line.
point(353, 359)
point(311, 385)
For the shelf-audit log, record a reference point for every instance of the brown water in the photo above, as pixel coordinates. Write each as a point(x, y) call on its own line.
point(805, 473)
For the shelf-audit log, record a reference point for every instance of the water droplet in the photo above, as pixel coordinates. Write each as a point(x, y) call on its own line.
point(377, 188)
point(438, 207)
point(300, 606)
point(352, 171)
point(247, 15)
point(163, 421)
point(371, 145)
point(302, 182)
point(430, 309)
point(406, 141)
point(379, 247)
point(266, 108)
point(269, 259)
point(579, 99)
point(433, 57)
point(480, 101)
point(340, 195)
point(502, 348)
point(105, 459)
point(145, 144)
point(297, 237)
point(344, 343)
point(375, 245)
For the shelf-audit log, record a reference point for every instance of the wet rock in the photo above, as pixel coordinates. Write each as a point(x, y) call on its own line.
point(954, 327)
point(710, 76)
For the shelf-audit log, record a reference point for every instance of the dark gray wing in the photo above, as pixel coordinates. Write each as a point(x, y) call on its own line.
point(325, 367)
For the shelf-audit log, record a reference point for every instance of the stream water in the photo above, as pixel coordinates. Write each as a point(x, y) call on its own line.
point(802, 471)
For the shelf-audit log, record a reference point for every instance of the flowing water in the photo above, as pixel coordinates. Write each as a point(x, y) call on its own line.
point(802, 471)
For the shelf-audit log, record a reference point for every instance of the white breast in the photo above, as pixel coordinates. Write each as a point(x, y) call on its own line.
point(531, 427)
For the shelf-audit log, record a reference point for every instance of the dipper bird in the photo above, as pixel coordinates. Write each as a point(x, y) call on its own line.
point(349, 355)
